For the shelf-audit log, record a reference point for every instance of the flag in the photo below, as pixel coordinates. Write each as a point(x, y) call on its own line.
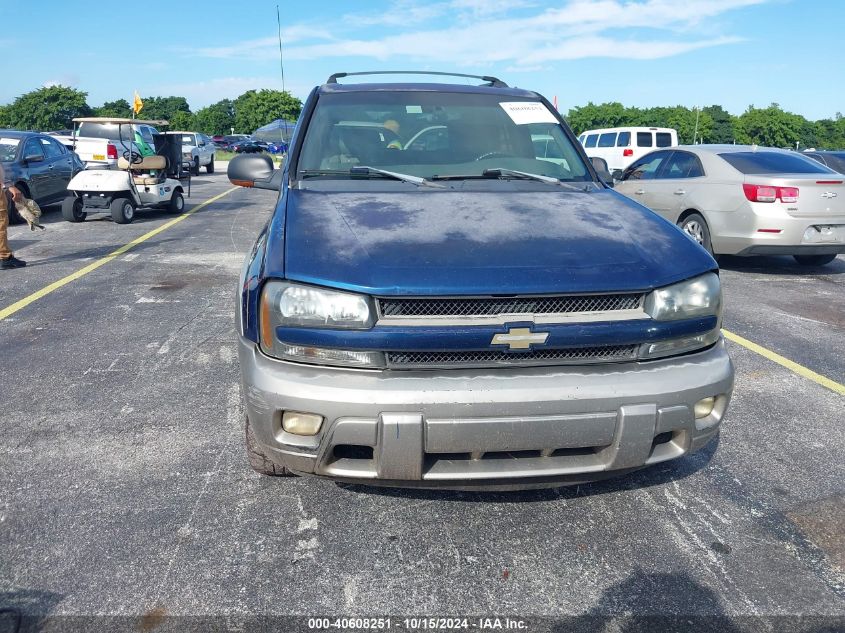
point(555, 102)
point(137, 104)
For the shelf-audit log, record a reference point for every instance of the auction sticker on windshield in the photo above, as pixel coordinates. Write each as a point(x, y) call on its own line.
point(523, 112)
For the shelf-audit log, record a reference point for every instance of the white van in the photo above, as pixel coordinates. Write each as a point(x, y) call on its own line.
point(621, 146)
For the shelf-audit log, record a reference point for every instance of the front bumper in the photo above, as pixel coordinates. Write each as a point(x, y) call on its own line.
point(503, 428)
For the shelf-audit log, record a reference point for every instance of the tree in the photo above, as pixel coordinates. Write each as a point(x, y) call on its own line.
point(163, 107)
point(769, 126)
point(592, 116)
point(255, 108)
point(218, 118)
point(182, 121)
point(5, 120)
point(48, 108)
point(722, 131)
point(119, 108)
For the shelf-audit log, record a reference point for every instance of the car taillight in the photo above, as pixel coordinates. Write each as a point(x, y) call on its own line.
point(111, 151)
point(627, 152)
point(766, 193)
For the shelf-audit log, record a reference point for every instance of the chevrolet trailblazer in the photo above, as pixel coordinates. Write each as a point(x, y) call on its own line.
point(434, 303)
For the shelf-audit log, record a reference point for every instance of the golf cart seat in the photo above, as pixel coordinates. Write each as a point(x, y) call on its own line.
point(149, 163)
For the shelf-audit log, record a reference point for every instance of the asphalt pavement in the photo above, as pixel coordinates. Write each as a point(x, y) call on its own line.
point(125, 490)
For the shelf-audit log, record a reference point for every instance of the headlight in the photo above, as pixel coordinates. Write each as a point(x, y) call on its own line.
point(285, 304)
point(187, 155)
point(698, 297)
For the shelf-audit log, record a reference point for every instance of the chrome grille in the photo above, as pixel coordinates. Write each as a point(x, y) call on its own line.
point(497, 358)
point(492, 306)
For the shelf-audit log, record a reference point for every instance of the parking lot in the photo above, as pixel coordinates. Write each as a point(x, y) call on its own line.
point(126, 491)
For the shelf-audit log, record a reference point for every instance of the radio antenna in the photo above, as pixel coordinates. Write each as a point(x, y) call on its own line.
point(281, 58)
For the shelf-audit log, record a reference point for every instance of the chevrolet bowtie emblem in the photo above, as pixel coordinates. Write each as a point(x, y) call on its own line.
point(520, 338)
point(829, 194)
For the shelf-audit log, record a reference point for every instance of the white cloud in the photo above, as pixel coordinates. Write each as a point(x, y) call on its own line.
point(484, 32)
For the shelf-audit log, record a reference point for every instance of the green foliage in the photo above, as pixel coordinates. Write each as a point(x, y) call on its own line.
point(182, 121)
point(163, 107)
point(48, 108)
point(772, 127)
point(255, 108)
point(5, 120)
point(218, 118)
point(722, 130)
point(118, 108)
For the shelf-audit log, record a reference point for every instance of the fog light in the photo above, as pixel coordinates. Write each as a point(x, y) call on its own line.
point(704, 407)
point(300, 423)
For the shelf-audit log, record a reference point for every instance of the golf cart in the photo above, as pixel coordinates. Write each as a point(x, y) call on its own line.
point(145, 177)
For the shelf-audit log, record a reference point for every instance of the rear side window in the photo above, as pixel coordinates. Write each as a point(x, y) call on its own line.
point(644, 139)
point(608, 139)
point(774, 163)
point(624, 139)
point(581, 139)
point(592, 139)
point(682, 165)
point(664, 139)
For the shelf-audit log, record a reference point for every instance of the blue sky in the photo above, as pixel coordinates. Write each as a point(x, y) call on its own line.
point(639, 52)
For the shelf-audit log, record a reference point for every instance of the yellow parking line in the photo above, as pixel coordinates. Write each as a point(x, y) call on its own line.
point(824, 381)
point(35, 296)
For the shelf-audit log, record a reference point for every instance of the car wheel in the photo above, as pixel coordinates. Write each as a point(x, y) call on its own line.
point(72, 209)
point(195, 167)
point(122, 210)
point(210, 167)
point(696, 227)
point(177, 203)
point(814, 260)
point(258, 459)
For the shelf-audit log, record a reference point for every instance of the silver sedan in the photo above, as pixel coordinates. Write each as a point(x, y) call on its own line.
point(744, 200)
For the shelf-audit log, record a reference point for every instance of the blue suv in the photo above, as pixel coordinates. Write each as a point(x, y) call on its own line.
point(449, 295)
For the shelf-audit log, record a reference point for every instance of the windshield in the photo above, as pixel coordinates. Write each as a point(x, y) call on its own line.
point(188, 139)
point(106, 130)
point(8, 149)
point(436, 134)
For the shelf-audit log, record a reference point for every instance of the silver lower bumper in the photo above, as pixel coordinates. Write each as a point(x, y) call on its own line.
point(485, 428)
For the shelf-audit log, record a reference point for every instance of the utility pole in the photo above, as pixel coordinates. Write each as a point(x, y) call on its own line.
point(695, 133)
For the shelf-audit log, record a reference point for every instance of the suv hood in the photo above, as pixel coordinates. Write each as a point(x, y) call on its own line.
point(425, 242)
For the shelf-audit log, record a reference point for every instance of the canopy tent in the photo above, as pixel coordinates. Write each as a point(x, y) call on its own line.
point(278, 130)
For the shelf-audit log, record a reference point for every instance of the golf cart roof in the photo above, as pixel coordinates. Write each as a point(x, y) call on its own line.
point(107, 119)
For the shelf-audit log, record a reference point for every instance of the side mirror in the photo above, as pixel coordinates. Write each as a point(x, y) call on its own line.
point(254, 170)
point(33, 158)
point(617, 174)
point(600, 165)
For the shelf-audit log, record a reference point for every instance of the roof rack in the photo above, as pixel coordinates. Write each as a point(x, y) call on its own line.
point(491, 81)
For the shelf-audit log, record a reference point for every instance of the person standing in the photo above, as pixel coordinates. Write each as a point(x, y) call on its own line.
point(8, 196)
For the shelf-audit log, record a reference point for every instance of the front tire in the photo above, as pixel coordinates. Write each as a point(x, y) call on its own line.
point(122, 210)
point(814, 260)
point(696, 227)
point(72, 209)
point(177, 203)
point(210, 167)
point(258, 459)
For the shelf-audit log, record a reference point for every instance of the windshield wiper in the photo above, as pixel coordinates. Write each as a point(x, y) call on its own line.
point(364, 170)
point(500, 172)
